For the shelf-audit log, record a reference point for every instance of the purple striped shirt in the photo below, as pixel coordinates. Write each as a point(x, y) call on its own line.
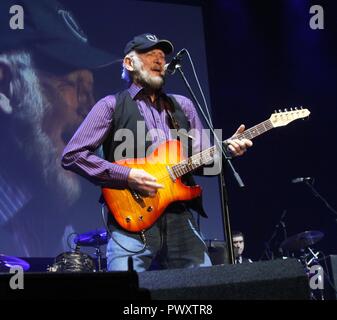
point(80, 153)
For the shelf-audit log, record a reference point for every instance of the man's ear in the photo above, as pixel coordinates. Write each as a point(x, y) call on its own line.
point(5, 104)
point(128, 64)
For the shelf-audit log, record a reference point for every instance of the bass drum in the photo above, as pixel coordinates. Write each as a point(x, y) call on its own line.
point(73, 262)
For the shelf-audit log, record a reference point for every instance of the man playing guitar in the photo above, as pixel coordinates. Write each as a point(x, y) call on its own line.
point(149, 200)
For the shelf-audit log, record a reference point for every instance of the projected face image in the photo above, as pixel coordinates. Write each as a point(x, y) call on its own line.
point(71, 97)
point(39, 112)
point(51, 107)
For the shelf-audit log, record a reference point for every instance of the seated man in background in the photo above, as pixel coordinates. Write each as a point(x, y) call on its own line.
point(239, 247)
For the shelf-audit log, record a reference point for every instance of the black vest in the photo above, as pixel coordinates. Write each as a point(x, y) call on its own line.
point(125, 116)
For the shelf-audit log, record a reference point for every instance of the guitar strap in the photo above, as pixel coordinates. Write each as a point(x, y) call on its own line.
point(173, 121)
point(169, 107)
point(195, 204)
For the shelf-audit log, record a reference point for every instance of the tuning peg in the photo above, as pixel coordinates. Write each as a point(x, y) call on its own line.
point(301, 107)
point(275, 111)
point(296, 108)
point(279, 110)
point(285, 109)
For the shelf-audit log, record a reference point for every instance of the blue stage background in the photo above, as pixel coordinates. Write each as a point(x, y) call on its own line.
point(252, 57)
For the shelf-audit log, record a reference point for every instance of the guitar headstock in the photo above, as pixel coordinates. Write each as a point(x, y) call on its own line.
point(282, 118)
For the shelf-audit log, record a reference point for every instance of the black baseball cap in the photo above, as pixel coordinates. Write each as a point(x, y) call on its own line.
point(52, 32)
point(146, 42)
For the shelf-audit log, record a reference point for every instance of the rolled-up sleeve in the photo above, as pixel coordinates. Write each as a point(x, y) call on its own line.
point(80, 155)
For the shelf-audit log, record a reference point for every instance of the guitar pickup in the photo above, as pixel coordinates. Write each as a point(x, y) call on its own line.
point(137, 198)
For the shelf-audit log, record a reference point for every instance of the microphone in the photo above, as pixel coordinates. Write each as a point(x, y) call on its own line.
point(301, 179)
point(170, 68)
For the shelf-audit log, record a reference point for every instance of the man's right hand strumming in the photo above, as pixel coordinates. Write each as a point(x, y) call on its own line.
point(143, 182)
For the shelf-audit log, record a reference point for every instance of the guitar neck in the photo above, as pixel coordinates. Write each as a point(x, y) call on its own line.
point(256, 130)
point(194, 162)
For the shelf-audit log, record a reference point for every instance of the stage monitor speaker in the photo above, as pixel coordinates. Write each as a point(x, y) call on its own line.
point(74, 285)
point(265, 280)
point(217, 251)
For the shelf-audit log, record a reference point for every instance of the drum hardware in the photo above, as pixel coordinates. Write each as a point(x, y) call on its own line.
point(72, 261)
point(301, 240)
point(279, 234)
point(302, 243)
point(77, 261)
point(217, 251)
point(7, 262)
point(95, 239)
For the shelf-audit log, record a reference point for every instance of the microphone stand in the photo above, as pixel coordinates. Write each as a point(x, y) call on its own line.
point(225, 160)
point(281, 223)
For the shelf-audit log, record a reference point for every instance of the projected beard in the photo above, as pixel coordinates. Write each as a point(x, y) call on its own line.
point(144, 78)
point(31, 151)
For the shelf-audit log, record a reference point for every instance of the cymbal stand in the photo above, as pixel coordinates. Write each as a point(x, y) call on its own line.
point(98, 254)
point(314, 256)
point(308, 260)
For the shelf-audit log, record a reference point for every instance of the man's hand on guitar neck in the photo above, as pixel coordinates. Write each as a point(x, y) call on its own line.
point(143, 182)
point(238, 146)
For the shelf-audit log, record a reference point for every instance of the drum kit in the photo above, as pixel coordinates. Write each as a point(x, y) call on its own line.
point(77, 261)
point(302, 243)
point(72, 261)
point(300, 246)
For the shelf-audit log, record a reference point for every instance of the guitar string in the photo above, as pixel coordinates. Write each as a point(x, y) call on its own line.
point(188, 164)
point(197, 160)
point(207, 155)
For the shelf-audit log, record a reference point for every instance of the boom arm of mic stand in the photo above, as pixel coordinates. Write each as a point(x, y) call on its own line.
point(224, 197)
point(316, 194)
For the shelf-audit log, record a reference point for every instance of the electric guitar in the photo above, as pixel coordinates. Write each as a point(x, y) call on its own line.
point(135, 212)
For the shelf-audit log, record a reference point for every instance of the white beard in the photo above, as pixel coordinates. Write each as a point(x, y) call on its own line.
point(144, 77)
point(153, 82)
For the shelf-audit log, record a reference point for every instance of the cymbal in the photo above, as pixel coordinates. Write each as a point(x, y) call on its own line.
point(302, 240)
point(7, 262)
point(92, 238)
